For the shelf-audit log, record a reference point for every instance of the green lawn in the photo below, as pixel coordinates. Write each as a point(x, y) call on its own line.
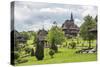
point(64, 55)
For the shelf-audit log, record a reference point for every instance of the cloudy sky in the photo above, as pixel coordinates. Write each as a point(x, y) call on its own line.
point(32, 16)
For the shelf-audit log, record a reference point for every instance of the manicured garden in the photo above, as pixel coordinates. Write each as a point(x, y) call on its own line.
point(64, 55)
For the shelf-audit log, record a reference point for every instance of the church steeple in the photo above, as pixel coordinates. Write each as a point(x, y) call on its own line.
point(43, 27)
point(55, 23)
point(71, 17)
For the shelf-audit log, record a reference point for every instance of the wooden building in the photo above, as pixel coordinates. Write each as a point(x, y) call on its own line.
point(41, 35)
point(70, 28)
point(20, 38)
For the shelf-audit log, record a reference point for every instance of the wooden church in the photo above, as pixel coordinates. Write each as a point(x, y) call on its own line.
point(70, 28)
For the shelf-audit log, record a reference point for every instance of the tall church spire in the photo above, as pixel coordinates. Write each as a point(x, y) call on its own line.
point(42, 27)
point(71, 17)
point(55, 23)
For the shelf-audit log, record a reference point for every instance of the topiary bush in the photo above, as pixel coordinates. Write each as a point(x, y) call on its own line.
point(54, 47)
point(72, 45)
point(32, 52)
point(27, 49)
point(39, 50)
point(51, 53)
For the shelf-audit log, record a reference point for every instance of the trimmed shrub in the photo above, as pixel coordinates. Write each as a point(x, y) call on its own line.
point(72, 45)
point(39, 50)
point(32, 52)
point(51, 53)
point(28, 49)
point(54, 47)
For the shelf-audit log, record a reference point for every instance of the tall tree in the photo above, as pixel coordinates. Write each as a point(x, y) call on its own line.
point(39, 50)
point(88, 24)
point(55, 36)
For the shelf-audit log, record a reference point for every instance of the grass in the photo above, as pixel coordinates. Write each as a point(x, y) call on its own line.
point(81, 42)
point(64, 55)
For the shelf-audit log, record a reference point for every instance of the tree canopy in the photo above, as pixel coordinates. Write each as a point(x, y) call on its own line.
point(56, 34)
point(88, 24)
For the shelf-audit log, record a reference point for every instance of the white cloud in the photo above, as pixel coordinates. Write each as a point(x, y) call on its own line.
point(32, 16)
point(47, 24)
point(22, 13)
point(54, 10)
point(89, 10)
point(78, 22)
